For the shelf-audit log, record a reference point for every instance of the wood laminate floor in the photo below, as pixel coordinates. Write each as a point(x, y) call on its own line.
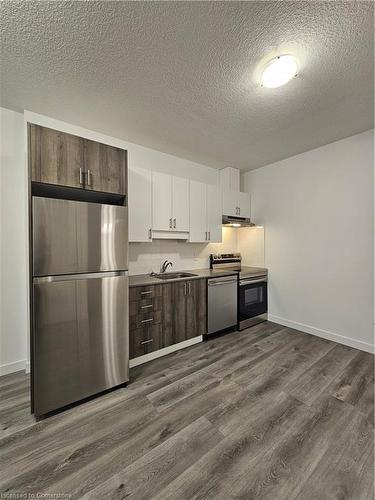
point(268, 413)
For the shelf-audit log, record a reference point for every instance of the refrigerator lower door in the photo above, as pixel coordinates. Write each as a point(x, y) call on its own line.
point(78, 237)
point(81, 337)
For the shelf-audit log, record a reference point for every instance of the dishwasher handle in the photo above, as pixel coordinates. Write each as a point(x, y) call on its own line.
point(221, 282)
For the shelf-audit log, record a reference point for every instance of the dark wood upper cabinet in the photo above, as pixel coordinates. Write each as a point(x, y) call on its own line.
point(55, 157)
point(67, 160)
point(105, 168)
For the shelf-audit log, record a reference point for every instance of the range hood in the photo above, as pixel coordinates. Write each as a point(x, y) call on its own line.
point(236, 221)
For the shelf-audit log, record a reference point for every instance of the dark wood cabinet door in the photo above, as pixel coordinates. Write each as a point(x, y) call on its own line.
point(63, 159)
point(196, 308)
point(55, 157)
point(166, 314)
point(168, 307)
point(105, 168)
point(179, 311)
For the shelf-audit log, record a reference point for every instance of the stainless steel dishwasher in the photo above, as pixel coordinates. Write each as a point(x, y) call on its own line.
point(222, 303)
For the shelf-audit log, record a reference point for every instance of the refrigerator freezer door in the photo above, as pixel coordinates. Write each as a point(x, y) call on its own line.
point(81, 338)
point(78, 237)
point(55, 246)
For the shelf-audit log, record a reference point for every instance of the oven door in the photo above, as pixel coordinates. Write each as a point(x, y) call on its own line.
point(252, 301)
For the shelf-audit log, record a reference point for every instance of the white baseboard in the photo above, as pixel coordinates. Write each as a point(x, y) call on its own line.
point(335, 337)
point(164, 351)
point(16, 366)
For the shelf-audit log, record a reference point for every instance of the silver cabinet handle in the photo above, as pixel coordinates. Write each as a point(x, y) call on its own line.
point(209, 235)
point(170, 223)
point(189, 288)
point(145, 293)
point(205, 236)
point(150, 234)
point(147, 320)
point(185, 288)
point(147, 341)
point(89, 178)
point(81, 177)
point(146, 307)
point(174, 223)
point(239, 210)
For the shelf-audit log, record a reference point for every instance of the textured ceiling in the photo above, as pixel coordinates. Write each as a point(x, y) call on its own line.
point(181, 77)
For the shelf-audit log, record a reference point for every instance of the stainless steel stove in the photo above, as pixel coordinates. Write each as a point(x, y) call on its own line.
point(252, 288)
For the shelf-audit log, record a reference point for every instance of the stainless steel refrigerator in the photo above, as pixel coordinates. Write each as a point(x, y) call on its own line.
point(80, 333)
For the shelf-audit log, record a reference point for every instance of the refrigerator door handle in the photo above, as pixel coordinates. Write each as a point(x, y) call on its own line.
point(82, 276)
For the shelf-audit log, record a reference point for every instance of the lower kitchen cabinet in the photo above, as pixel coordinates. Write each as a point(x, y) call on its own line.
point(189, 309)
point(196, 308)
point(145, 340)
point(170, 314)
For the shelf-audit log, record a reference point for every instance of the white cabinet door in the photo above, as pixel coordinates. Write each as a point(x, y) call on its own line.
point(244, 204)
point(214, 214)
point(139, 202)
point(230, 202)
point(198, 210)
point(161, 201)
point(180, 204)
point(230, 178)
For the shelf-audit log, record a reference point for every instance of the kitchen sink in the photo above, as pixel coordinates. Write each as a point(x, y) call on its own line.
point(173, 276)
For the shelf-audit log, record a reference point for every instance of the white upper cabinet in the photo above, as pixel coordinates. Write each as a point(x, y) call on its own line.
point(161, 202)
point(139, 202)
point(205, 213)
point(244, 205)
point(198, 211)
point(180, 204)
point(170, 206)
point(236, 204)
point(230, 202)
point(230, 178)
point(214, 214)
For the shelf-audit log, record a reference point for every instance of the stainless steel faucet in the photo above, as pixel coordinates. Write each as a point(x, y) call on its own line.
point(165, 265)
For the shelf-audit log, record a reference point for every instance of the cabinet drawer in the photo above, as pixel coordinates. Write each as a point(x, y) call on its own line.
point(144, 340)
point(145, 305)
point(145, 319)
point(143, 292)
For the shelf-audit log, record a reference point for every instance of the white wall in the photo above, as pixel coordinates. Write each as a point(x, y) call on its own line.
point(13, 244)
point(250, 243)
point(318, 211)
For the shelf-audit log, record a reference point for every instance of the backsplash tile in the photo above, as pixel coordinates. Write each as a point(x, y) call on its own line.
point(147, 257)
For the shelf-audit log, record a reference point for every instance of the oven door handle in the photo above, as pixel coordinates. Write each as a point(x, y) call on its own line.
point(251, 282)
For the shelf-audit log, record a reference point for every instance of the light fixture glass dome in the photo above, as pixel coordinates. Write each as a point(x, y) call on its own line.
point(279, 71)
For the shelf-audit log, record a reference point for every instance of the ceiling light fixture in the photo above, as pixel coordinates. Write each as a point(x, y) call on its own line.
point(279, 71)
